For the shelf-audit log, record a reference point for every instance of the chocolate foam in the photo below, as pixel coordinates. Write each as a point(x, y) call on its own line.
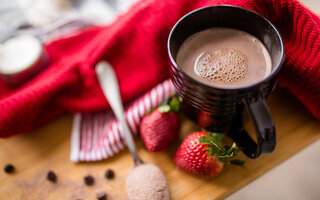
point(225, 65)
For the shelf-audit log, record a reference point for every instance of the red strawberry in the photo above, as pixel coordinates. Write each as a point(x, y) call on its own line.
point(159, 128)
point(205, 119)
point(203, 155)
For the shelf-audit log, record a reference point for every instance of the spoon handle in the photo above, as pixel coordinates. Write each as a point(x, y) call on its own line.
point(109, 84)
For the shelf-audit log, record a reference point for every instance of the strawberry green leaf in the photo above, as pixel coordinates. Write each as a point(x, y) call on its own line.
point(226, 157)
point(218, 136)
point(211, 141)
point(223, 153)
point(164, 108)
point(228, 153)
point(231, 149)
point(174, 104)
point(240, 162)
point(210, 150)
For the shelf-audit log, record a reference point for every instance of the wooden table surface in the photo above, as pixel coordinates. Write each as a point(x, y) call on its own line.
point(48, 148)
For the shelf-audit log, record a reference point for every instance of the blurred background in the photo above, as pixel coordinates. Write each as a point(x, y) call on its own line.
point(49, 19)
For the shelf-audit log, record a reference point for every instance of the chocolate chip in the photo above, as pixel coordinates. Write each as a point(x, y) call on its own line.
point(109, 174)
point(51, 176)
point(9, 168)
point(102, 196)
point(88, 180)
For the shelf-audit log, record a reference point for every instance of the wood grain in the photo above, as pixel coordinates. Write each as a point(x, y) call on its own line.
point(35, 153)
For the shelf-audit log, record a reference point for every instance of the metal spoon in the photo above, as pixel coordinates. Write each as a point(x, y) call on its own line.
point(145, 180)
point(109, 84)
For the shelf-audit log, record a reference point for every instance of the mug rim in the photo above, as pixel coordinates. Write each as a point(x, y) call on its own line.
point(266, 79)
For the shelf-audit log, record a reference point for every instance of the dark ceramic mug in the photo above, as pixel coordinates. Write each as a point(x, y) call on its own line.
point(222, 108)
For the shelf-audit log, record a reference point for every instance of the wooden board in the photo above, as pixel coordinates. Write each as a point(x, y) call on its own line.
point(48, 148)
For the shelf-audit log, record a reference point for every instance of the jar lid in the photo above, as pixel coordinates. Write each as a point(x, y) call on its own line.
point(19, 53)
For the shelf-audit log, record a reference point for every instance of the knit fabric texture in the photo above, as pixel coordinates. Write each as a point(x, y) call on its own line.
point(135, 45)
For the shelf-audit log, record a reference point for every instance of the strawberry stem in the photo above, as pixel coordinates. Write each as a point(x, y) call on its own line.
point(164, 108)
point(171, 104)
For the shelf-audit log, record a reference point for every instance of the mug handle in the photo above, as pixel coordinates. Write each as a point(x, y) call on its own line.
point(264, 128)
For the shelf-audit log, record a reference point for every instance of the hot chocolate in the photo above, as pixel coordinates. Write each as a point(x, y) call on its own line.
point(224, 57)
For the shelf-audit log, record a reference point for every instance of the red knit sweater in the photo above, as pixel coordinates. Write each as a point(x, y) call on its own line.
point(135, 44)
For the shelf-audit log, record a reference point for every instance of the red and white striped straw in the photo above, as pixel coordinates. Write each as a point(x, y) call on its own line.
point(98, 135)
